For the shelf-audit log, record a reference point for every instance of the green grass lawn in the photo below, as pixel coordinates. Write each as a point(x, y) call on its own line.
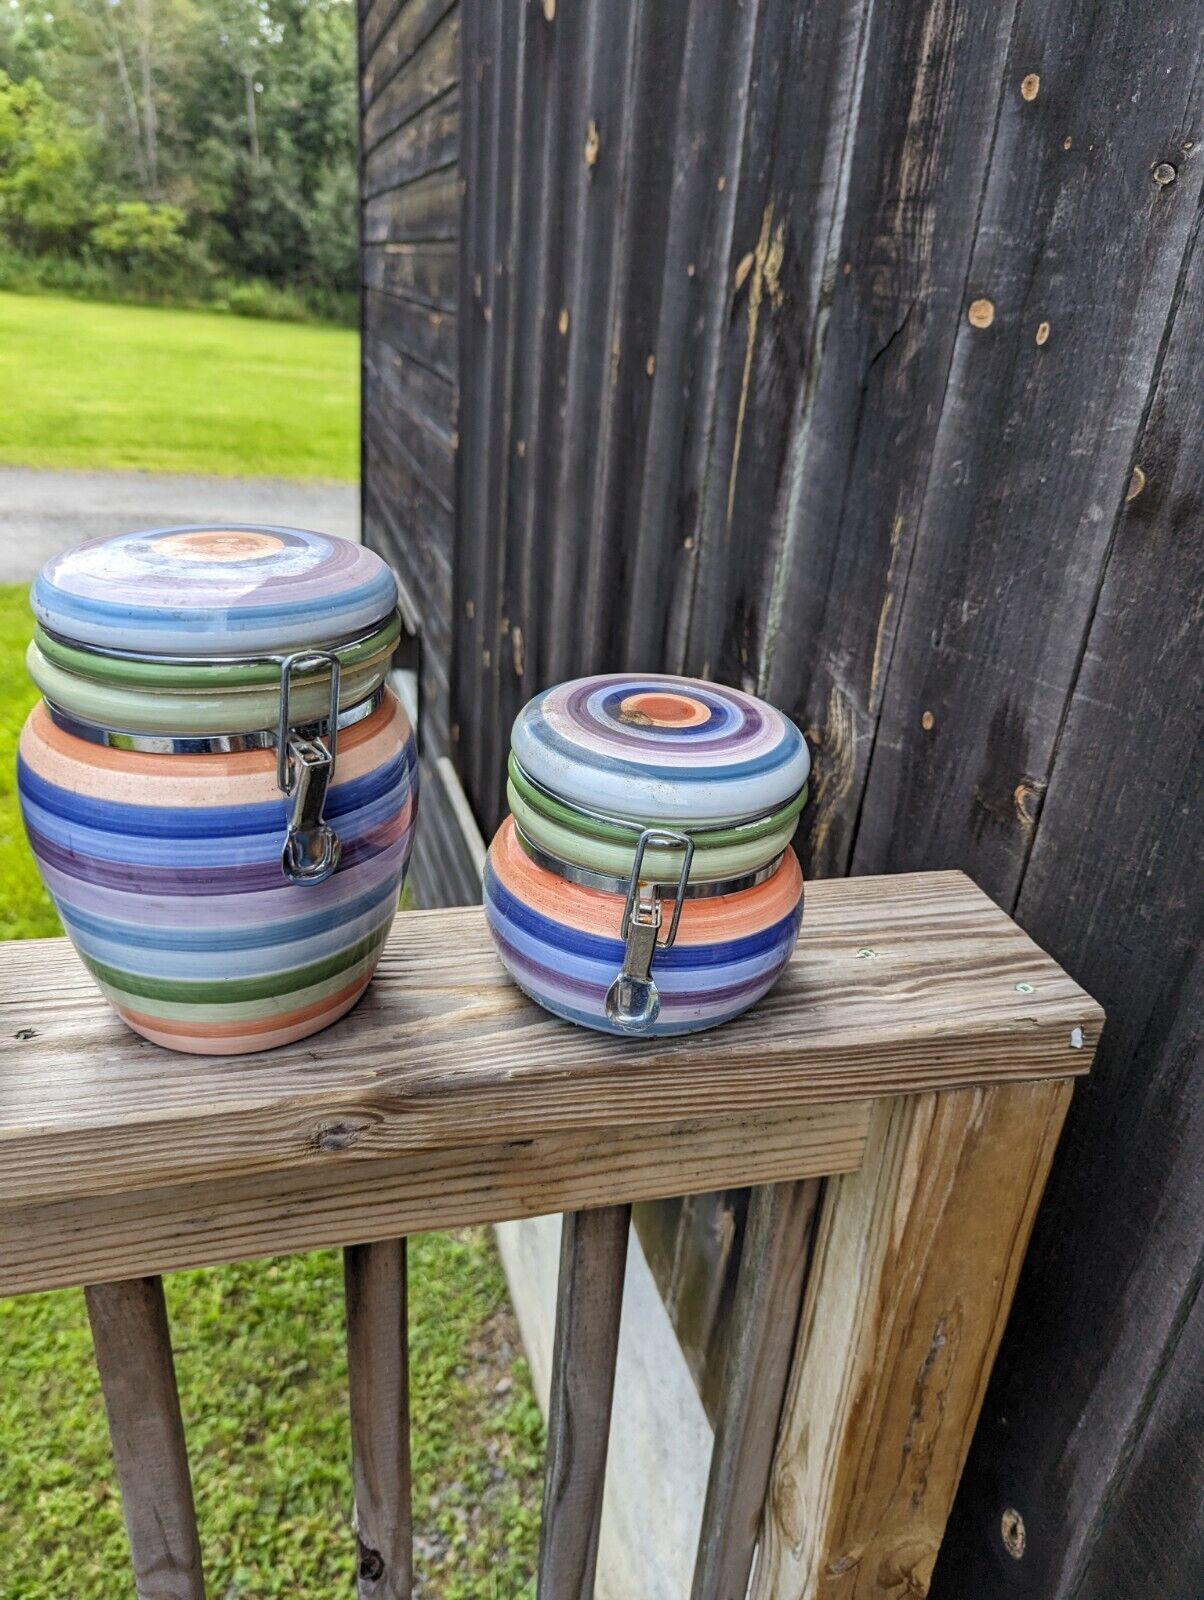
point(107, 386)
point(260, 1359)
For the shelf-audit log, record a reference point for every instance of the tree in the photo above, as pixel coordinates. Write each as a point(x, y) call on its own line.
point(45, 197)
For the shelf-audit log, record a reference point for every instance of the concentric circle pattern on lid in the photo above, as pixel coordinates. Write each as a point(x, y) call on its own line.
point(213, 591)
point(661, 749)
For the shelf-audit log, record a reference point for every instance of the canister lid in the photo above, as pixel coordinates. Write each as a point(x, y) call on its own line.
point(220, 591)
point(660, 749)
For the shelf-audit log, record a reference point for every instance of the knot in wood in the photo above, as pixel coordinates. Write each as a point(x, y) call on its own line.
point(337, 1135)
point(981, 313)
point(1164, 173)
point(372, 1564)
point(1012, 1532)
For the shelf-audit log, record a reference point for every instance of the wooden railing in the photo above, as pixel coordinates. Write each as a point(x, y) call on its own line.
point(896, 1102)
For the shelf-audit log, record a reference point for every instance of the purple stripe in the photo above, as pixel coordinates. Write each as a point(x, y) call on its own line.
point(224, 910)
point(721, 998)
point(248, 879)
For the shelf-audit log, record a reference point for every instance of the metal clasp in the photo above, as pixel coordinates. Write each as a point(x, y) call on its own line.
point(305, 770)
point(633, 1001)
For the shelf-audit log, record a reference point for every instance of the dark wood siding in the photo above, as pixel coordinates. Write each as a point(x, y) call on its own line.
point(850, 351)
point(410, 226)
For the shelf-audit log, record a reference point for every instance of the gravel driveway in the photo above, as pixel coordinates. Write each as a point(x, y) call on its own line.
point(44, 512)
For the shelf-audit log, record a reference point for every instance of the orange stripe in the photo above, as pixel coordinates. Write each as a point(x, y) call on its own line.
point(243, 1044)
point(247, 1028)
point(93, 766)
point(596, 911)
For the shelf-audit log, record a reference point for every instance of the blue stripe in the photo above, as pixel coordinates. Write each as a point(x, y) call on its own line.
point(578, 756)
point(58, 603)
point(206, 822)
point(598, 948)
point(228, 850)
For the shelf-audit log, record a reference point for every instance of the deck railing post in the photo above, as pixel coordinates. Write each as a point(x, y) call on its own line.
point(374, 1278)
point(137, 1374)
point(589, 1299)
point(915, 1262)
point(769, 1292)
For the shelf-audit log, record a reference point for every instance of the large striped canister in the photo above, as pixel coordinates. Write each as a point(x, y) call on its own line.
point(644, 881)
point(218, 786)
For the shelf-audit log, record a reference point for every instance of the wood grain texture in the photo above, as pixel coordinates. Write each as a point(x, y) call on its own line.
point(589, 1303)
point(429, 143)
point(1033, 452)
point(133, 1353)
point(415, 82)
point(409, 229)
point(325, 1201)
point(1094, 1455)
point(374, 1277)
point(916, 1260)
point(764, 1327)
point(692, 1244)
point(898, 985)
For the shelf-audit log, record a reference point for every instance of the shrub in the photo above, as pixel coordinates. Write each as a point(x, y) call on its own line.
point(138, 235)
point(256, 298)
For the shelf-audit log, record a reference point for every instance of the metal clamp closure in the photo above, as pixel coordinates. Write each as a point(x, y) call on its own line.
point(633, 1001)
point(305, 770)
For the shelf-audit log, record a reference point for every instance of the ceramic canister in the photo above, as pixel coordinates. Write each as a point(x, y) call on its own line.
point(644, 881)
point(226, 852)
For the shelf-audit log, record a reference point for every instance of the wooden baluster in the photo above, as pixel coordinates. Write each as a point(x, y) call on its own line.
point(593, 1258)
point(137, 1374)
point(374, 1277)
point(765, 1316)
point(915, 1261)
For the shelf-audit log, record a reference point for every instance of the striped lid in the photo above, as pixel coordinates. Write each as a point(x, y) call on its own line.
point(660, 749)
point(220, 591)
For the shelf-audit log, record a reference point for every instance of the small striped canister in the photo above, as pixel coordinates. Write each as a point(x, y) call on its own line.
point(644, 882)
point(217, 784)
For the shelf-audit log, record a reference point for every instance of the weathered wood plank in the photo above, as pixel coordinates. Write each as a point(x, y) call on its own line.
point(326, 1200)
point(765, 1317)
point(379, 1390)
point(431, 71)
point(856, 224)
point(137, 1374)
point(589, 1302)
point(898, 985)
point(495, 44)
point(1112, 888)
point(1072, 278)
point(430, 142)
point(692, 1244)
point(685, 348)
point(427, 209)
point(413, 408)
point(413, 330)
point(916, 1260)
point(387, 50)
point(425, 273)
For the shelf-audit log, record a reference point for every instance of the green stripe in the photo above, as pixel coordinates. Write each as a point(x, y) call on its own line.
point(241, 1011)
point(157, 675)
point(218, 991)
point(593, 827)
